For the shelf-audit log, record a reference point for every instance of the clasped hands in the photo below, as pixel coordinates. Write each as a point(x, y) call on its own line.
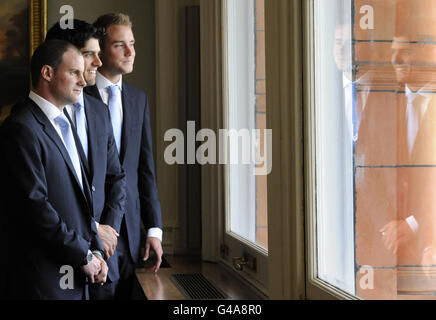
point(96, 270)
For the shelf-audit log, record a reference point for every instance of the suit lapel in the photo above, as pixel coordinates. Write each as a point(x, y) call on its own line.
point(128, 114)
point(91, 120)
point(54, 136)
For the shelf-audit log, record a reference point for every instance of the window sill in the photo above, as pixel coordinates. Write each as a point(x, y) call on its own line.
point(160, 286)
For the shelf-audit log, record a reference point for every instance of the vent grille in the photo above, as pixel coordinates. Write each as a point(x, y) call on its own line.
point(195, 286)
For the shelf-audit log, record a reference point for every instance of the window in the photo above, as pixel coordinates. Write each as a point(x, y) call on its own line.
point(245, 119)
point(246, 114)
point(374, 129)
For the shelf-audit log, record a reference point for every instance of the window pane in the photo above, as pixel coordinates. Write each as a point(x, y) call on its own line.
point(247, 117)
point(376, 146)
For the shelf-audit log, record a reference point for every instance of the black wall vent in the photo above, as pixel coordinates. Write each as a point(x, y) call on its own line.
point(196, 287)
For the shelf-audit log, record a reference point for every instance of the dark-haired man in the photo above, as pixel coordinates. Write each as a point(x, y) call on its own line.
point(130, 117)
point(90, 118)
point(53, 244)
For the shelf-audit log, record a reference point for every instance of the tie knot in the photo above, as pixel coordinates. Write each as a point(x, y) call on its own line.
point(78, 106)
point(62, 121)
point(113, 89)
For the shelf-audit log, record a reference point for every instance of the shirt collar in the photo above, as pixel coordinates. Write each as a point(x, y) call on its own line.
point(49, 109)
point(102, 82)
point(421, 92)
point(82, 103)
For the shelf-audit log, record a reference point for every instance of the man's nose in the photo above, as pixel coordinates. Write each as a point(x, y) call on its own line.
point(97, 62)
point(129, 51)
point(82, 81)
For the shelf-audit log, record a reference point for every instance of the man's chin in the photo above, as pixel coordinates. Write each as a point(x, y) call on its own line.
point(90, 82)
point(127, 69)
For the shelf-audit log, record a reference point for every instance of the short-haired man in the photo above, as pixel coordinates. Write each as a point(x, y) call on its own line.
point(130, 117)
point(53, 243)
point(90, 118)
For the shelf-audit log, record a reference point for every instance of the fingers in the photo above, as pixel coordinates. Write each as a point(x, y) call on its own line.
point(101, 276)
point(115, 233)
point(108, 236)
point(158, 263)
point(156, 246)
point(147, 251)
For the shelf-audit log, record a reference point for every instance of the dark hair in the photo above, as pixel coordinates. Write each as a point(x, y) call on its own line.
point(79, 35)
point(105, 21)
point(50, 53)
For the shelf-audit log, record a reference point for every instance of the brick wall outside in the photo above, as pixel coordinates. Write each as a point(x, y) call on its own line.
point(395, 154)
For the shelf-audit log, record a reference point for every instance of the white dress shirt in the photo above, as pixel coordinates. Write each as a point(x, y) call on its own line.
point(102, 85)
point(50, 111)
point(72, 110)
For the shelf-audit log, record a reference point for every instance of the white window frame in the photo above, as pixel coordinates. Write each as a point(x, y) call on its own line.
point(316, 287)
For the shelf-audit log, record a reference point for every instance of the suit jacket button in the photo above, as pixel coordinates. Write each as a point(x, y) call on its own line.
point(93, 189)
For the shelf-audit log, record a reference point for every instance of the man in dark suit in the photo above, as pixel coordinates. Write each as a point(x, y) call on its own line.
point(53, 246)
point(90, 119)
point(130, 117)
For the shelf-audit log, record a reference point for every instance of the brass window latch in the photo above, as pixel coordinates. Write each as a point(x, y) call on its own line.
point(239, 263)
point(246, 260)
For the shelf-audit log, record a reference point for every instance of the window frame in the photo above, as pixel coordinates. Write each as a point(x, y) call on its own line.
point(236, 244)
point(316, 287)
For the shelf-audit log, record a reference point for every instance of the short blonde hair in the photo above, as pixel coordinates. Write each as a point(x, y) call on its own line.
point(105, 21)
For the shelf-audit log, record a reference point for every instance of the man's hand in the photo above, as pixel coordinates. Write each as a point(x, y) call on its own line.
point(109, 239)
point(156, 246)
point(102, 275)
point(395, 234)
point(92, 269)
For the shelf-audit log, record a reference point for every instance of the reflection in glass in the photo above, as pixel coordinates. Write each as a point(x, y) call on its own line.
point(376, 148)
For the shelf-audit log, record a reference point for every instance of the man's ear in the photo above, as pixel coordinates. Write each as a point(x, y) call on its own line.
point(47, 73)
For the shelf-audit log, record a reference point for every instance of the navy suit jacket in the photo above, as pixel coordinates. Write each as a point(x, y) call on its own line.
point(136, 158)
point(47, 218)
point(103, 169)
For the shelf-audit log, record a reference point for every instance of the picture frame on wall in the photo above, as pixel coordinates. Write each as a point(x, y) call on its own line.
point(23, 24)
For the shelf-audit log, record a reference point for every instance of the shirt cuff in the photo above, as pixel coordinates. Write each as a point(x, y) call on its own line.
point(155, 233)
point(97, 224)
point(413, 224)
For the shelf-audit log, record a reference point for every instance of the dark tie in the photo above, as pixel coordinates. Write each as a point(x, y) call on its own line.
point(81, 127)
